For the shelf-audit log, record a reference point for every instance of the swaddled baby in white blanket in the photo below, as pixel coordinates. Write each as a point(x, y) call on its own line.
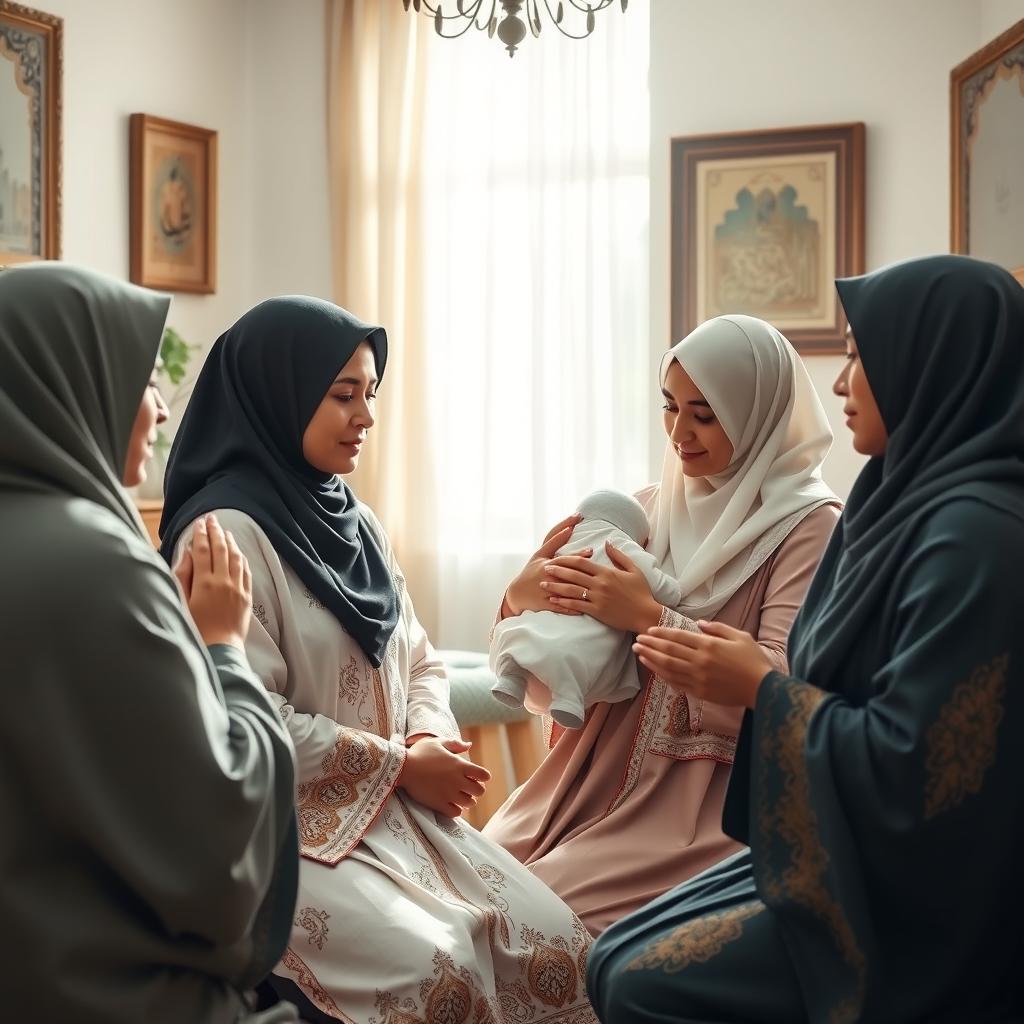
point(562, 664)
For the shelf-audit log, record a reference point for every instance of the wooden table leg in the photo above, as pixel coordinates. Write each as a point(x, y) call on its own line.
point(526, 746)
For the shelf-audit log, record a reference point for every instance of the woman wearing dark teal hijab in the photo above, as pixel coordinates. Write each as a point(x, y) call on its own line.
point(879, 787)
point(148, 848)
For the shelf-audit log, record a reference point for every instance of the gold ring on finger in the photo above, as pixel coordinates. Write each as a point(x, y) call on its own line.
point(583, 596)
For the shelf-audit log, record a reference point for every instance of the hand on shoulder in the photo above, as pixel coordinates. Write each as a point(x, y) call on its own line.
point(215, 579)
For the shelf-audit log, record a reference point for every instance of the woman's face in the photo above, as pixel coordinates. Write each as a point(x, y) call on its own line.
point(336, 432)
point(862, 416)
point(152, 412)
point(698, 438)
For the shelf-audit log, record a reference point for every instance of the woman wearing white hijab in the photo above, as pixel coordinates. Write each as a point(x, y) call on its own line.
point(148, 848)
point(741, 517)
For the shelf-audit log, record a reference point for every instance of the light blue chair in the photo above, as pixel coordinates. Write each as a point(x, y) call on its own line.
point(506, 741)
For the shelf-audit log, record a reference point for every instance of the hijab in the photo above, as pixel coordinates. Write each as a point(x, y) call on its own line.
point(941, 341)
point(76, 351)
point(713, 533)
point(240, 446)
point(94, 633)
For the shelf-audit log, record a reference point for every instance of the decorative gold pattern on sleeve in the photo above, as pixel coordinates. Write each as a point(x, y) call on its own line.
point(335, 810)
point(961, 743)
point(790, 822)
point(696, 941)
point(680, 736)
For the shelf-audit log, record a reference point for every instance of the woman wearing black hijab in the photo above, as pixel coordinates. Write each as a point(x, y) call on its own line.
point(879, 786)
point(403, 909)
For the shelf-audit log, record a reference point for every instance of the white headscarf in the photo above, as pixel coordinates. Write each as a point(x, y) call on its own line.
point(713, 533)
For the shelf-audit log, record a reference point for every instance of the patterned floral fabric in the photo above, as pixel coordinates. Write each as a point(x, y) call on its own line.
point(403, 914)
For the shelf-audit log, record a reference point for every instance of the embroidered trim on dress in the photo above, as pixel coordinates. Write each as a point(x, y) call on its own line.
point(788, 821)
point(314, 922)
point(696, 941)
point(678, 738)
point(550, 972)
point(313, 990)
point(450, 997)
point(657, 729)
point(436, 860)
point(337, 809)
point(350, 685)
point(962, 741)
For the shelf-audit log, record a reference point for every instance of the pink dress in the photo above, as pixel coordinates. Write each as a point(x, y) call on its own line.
point(630, 805)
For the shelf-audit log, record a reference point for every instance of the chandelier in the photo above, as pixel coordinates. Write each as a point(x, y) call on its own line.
point(511, 30)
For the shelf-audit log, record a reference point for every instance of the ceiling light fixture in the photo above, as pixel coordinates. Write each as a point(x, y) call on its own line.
point(510, 29)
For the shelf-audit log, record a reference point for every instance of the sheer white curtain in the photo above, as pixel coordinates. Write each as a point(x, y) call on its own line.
point(535, 275)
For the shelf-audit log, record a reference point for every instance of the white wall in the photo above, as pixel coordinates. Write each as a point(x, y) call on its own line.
point(179, 60)
point(997, 16)
point(251, 69)
point(730, 65)
point(254, 70)
point(286, 105)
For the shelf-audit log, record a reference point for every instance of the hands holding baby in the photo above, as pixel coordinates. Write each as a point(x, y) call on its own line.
point(720, 663)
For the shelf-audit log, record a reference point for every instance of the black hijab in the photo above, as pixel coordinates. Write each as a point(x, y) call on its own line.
point(240, 446)
point(941, 341)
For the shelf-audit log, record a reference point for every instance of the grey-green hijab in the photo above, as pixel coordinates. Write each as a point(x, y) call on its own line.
point(76, 350)
point(148, 857)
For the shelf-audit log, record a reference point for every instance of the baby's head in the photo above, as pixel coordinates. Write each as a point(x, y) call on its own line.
point(621, 510)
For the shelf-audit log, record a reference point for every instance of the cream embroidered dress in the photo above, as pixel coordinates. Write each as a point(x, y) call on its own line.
point(403, 914)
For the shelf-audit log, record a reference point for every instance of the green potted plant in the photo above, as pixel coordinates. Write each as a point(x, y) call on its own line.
point(175, 355)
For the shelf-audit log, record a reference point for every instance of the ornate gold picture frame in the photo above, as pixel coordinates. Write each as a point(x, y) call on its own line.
point(31, 72)
point(987, 151)
point(762, 223)
point(173, 205)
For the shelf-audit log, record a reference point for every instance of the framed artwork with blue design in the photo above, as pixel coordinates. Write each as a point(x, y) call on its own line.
point(762, 224)
point(173, 205)
point(987, 136)
point(31, 69)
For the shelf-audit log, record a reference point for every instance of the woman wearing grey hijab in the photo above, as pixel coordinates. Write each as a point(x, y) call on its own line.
point(148, 849)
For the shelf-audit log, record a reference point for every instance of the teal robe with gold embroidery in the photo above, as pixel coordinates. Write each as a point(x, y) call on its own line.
point(885, 817)
point(879, 787)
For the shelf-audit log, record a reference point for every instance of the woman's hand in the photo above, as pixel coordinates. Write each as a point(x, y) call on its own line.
point(215, 578)
point(617, 595)
point(524, 592)
point(719, 664)
point(436, 776)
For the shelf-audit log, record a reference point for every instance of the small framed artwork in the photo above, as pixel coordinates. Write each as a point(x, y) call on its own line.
point(987, 172)
point(762, 224)
point(31, 68)
point(173, 205)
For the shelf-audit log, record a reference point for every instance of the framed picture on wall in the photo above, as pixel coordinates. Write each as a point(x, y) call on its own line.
point(173, 205)
point(31, 68)
point(762, 223)
point(987, 148)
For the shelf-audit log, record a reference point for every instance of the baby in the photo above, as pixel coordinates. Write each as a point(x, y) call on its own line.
point(561, 664)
